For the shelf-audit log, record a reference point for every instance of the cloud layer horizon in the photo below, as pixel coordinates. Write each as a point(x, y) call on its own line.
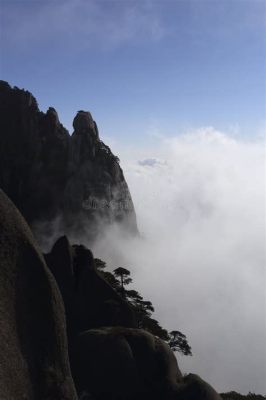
point(200, 203)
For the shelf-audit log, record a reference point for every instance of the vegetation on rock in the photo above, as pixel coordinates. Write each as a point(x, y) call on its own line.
point(143, 308)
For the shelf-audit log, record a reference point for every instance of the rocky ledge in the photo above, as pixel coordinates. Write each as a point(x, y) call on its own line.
point(108, 356)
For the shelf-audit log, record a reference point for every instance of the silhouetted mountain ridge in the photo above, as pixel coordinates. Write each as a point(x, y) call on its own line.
point(74, 180)
point(65, 330)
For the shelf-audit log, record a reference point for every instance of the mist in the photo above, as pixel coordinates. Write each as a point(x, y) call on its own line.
point(200, 257)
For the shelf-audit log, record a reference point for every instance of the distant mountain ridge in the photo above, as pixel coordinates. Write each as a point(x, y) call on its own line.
point(49, 174)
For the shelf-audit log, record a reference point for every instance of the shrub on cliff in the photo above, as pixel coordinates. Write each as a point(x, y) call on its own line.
point(143, 308)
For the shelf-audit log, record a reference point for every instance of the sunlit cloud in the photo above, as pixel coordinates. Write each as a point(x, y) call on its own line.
point(200, 201)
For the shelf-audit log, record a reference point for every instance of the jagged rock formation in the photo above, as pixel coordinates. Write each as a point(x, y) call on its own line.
point(110, 362)
point(90, 302)
point(74, 181)
point(33, 346)
point(109, 357)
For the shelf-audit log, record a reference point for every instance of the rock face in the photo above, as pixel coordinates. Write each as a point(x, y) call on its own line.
point(129, 364)
point(90, 302)
point(110, 358)
point(73, 181)
point(33, 344)
point(71, 184)
point(195, 388)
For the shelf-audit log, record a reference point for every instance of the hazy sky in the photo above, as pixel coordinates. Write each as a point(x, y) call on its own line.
point(141, 65)
point(177, 89)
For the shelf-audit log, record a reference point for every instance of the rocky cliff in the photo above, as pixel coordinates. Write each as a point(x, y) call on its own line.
point(110, 357)
point(71, 181)
point(58, 313)
point(34, 362)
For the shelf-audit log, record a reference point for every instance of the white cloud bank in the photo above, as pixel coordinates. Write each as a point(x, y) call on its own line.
point(201, 259)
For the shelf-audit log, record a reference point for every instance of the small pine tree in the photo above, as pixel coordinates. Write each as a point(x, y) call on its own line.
point(143, 308)
point(178, 342)
point(123, 274)
point(100, 264)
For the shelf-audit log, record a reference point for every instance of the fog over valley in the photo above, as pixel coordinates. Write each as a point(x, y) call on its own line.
point(200, 204)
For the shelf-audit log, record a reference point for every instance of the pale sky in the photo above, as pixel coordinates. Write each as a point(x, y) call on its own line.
point(141, 66)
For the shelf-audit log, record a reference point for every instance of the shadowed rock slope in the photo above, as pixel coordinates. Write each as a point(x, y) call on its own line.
point(89, 300)
point(131, 364)
point(110, 358)
point(74, 181)
point(73, 185)
point(34, 361)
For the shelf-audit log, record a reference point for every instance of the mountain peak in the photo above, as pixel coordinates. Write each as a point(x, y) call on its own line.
point(84, 123)
point(51, 176)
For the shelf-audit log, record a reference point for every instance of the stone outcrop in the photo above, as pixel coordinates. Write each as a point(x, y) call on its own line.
point(123, 362)
point(33, 345)
point(195, 388)
point(129, 364)
point(110, 358)
point(61, 183)
point(90, 302)
point(107, 361)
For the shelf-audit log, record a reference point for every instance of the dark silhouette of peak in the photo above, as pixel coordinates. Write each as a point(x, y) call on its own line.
point(83, 123)
point(110, 345)
point(75, 181)
point(4, 85)
point(51, 113)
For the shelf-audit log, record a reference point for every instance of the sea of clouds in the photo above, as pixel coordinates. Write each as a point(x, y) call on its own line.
point(200, 259)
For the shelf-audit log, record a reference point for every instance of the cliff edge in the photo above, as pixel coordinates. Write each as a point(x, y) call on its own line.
point(60, 182)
